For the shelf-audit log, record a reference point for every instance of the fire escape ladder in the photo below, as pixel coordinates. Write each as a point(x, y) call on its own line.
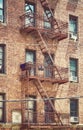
point(45, 96)
point(49, 14)
point(41, 40)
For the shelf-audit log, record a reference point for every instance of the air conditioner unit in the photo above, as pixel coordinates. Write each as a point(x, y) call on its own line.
point(73, 78)
point(73, 36)
point(74, 119)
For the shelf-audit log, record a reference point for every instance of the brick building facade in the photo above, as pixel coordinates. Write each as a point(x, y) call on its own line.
point(41, 68)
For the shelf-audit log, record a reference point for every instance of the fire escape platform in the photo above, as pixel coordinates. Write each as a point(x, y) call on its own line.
point(51, 33)
point(47, 79)
point(46, 125)
point(43, 73)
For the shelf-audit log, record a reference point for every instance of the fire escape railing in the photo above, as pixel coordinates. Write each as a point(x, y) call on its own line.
point(36, 21)
point(43, 71)
point(45, 118)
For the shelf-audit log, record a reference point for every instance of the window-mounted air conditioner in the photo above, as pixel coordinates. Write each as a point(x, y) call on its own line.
point(73, 36)
point(73, 78)
point(74, 119)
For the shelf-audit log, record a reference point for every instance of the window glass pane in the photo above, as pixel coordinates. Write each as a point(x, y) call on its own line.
point(1, 15)
point(73, 107)
point(73, 65)
point(30, 104)
point(1, 103)
point(1, 3)
point(30, 56)
point(29, 8)
point(1, 55)
point(73, 24)
point(47, 24)
point(0, 62)
point(2, 59)
point(1, 114)
point(1, 49)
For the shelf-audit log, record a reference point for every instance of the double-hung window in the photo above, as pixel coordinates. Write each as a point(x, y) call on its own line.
point(48, 66)
point(73, 107)
point(31, 59)
point(30, 14)
point(47, 23)
point(49, 112)
point(2, 54)
point(73, 27)
point(73, 70)
point(31, 109)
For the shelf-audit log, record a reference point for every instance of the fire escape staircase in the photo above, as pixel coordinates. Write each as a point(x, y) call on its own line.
point(40, 40)
point(45, 96)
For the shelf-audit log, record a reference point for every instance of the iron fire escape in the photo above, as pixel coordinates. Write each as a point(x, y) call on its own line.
point(58, 33)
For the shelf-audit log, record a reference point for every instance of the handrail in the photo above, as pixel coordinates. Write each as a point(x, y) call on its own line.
point(36, 16)
point(45, 118)
point(42, 70)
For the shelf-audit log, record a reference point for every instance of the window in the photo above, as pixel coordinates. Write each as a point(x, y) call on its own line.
point(49, 112)
point(73, 107)
point(73, 27)
point(30, 10)
point(2, 108)
point(31, 109)
point(47, 24)
point(73, 70)
point(48, 71)
point(2, 52)
point(1, 10)
point(30, 59)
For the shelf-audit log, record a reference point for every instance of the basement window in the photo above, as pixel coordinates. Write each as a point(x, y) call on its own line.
point(2, 108)
point(2, 58)
point(2, 11)
point(30, 14)
point(73, 70)
point(73, 27)
point(31, 109)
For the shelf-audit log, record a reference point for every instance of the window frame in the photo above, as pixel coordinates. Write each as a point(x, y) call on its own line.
point(34, 120)
point(73, 35)
point(46, 19)
point(2, 71)
point(76, 108)
point(75, 71)
point(48, 67)
point(33, 12)
point(49, 112)
point(3, 108)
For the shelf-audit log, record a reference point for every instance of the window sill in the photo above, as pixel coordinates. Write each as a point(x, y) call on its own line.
point(3, 24)
point(73, 40)
point(73, 81)
point(3, 74)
